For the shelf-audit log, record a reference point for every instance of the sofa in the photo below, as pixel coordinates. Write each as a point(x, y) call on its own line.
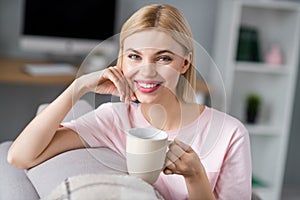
point(38, 182)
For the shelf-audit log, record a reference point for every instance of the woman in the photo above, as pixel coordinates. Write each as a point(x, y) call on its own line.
point(155, 79)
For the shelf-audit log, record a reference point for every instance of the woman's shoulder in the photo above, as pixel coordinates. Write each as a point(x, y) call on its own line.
point(225, 130)
point(228, 121)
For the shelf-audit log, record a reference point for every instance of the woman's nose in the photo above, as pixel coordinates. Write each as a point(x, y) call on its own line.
point(149, 70)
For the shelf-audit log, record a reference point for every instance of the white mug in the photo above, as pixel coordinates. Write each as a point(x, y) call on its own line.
point(146, 150)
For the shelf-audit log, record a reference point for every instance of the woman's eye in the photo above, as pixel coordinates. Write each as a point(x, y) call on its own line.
point(134, 57)
point(164, 59)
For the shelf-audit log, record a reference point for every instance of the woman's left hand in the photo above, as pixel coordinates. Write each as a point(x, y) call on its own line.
point(182, 159)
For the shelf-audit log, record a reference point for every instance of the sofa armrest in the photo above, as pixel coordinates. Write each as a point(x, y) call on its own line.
point(49, 174)
point(14, 184)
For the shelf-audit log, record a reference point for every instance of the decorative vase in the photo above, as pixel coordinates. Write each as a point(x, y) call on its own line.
point(274, 56)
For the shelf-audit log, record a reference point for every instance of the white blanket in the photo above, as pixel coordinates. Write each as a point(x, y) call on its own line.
point(103, 186)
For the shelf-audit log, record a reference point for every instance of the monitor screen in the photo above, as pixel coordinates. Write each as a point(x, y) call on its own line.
point(66, 25)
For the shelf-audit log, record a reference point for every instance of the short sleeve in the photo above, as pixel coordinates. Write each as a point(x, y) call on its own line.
point(93, 125)
point(234, 181)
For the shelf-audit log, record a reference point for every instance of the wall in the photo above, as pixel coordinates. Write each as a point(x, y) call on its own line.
point(292, 175)
point(18, 103)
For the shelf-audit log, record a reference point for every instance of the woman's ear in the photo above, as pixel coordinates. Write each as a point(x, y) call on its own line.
point(186, 63)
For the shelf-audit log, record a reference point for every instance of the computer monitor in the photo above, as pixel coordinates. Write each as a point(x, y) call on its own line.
point(66, 27)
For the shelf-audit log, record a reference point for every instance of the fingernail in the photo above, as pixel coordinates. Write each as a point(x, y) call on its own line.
point(133, 98)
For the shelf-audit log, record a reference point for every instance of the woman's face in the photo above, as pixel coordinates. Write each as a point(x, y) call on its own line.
point(153, 61)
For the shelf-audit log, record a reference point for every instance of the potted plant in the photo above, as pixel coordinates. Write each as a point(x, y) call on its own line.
point(253, 102)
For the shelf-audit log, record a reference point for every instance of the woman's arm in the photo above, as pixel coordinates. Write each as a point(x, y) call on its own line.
point(42, 138)
point(39, 140)
point(198, 186)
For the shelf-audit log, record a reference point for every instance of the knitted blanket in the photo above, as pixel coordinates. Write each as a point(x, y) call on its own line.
point(103, 186)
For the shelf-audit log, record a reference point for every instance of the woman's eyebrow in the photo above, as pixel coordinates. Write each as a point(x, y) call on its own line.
point(133, 50)
point(165, 51)
point(157, 53)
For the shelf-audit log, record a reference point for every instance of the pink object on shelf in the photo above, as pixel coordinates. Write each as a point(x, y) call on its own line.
point(274, 56)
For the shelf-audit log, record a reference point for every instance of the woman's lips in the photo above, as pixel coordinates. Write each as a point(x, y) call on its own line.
point(148, 86)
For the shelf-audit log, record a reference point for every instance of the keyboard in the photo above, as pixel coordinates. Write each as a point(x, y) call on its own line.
point(53, 69)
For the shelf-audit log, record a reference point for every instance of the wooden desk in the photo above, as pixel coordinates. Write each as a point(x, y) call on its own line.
point(11, 72)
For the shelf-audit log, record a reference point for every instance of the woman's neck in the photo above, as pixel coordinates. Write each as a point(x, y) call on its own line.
point(170, 115)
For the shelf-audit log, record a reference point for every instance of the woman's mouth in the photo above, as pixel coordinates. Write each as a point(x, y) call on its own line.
point(148, 86)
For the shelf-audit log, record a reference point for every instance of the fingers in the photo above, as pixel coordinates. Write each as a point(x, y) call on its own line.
point(168, 171)
point(176, 158)
point(174, 154)
point(115, 75)
point(116, 78)
point(183, 146)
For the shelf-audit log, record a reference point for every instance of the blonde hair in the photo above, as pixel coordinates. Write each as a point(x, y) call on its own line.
point(170, 20)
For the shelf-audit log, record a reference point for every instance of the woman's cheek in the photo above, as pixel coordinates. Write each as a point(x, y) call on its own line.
point(128, 66)
point(129, 71)
point(125, 67)
point(170, 75)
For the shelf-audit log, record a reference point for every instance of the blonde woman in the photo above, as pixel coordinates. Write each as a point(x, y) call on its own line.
point(155, 79)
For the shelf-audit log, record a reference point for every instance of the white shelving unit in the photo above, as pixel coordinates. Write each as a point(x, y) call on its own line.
point(276, 22)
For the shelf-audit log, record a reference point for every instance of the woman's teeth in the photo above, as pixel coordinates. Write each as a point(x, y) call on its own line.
point(147, 85)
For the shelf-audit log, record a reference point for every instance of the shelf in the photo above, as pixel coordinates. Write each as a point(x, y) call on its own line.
point(276, 23)
point(261, 68)
point(262, 129)
point(261, 188)
point(264, 193)
point(266, 5)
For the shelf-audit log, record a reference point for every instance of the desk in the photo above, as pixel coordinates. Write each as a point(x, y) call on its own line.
point(11, 72)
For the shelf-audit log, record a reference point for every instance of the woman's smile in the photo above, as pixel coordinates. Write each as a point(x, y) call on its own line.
point(147, 86)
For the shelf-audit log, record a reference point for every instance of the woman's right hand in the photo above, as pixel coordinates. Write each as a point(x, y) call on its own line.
point(108, 81)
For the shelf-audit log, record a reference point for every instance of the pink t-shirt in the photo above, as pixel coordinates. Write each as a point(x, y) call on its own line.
point(221, 142)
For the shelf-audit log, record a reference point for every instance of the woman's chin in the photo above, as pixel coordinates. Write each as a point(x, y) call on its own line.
point(147, 99)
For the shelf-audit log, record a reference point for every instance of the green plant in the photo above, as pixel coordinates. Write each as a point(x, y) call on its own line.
point(253, 102)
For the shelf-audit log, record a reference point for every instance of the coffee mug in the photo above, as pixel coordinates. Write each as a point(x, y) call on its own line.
point(146, 150)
